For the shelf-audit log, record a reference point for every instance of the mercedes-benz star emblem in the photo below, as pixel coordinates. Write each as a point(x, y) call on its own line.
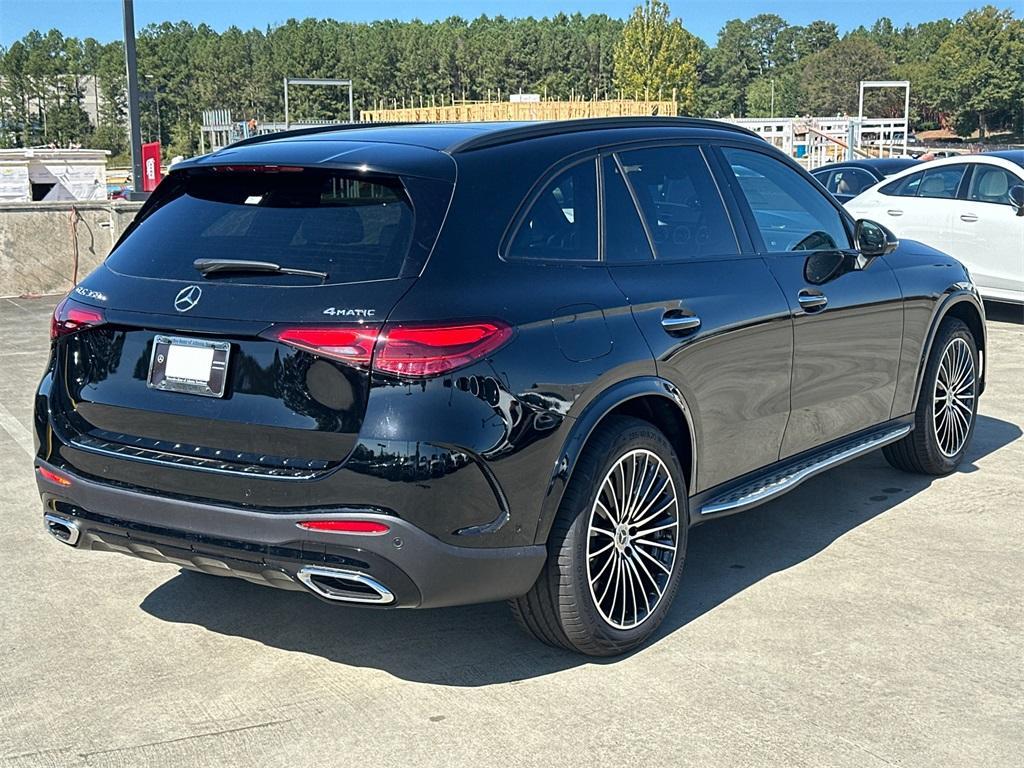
point(187, 298)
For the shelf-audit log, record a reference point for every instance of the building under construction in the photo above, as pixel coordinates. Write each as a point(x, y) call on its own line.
point(521, 108)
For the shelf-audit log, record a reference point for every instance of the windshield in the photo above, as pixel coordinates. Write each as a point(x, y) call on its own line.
point(354, 228)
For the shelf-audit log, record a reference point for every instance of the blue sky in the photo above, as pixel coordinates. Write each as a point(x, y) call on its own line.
point(102, 18)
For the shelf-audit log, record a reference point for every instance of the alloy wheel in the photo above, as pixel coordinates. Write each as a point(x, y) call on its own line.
point(632, 538)
point(953, 400)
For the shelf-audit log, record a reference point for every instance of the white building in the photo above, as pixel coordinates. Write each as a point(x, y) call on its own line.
point(53, 174)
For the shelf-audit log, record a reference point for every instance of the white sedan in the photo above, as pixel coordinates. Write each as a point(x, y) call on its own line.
point(971, 207)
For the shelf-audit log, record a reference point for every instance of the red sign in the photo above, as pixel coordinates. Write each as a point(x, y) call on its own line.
point(150, 166)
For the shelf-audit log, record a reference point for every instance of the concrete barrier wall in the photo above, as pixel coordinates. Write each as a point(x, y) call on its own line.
point(38, 252)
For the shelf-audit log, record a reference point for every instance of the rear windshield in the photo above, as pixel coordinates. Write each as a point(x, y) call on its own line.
point(352, 227)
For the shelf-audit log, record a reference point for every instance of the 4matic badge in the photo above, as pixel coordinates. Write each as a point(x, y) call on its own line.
point(346, 312)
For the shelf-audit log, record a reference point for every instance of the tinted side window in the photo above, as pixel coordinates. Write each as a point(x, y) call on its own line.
point(791, 214)
point(942, 181)
point(905, 187)
point(824, 177)
point(561, 225)
point(680, 203)
point(991, 184)
point(849, 181)
point(624, 237)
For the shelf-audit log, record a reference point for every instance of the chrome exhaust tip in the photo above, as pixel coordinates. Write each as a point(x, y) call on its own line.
point(344, 586)
point(62, 529)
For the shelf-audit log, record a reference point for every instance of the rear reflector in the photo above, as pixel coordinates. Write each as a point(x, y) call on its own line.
point(367, 527)
point(53, 477)
point(407, 350)
point(70, 316)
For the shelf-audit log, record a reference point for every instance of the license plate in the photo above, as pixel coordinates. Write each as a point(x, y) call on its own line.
point(194, 366)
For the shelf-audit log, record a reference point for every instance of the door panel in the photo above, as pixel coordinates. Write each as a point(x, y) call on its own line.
point(927, 220)
point(847, 317)
point(734, 369)
point(919, 206)
point(714, 318)
point(987, 235)
point(847, 351)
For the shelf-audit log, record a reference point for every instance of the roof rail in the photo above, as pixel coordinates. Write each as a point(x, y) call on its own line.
point(555, 127)
point(310, 130)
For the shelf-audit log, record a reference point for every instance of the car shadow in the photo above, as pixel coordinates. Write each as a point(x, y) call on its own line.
point(481, 645)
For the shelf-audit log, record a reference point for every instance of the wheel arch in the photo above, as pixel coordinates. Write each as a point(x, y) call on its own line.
point(965, 305)
point(649, 398)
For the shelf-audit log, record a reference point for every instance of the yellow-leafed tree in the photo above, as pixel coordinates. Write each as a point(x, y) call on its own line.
point(656, 55)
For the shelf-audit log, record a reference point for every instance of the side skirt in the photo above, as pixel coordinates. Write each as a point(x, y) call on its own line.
point(773, 481)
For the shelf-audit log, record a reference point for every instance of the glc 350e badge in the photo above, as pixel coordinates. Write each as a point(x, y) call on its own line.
point(187, 298)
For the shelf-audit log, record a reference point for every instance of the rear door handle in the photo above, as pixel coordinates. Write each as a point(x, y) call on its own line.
point(811, 301)
point(968, 217)
point(894, 212)
point(675, 322)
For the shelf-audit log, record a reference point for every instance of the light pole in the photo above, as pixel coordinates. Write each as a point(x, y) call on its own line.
point(134, 134)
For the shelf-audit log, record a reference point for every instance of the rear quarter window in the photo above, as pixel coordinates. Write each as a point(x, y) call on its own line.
point(905, 187)
point(561, 223)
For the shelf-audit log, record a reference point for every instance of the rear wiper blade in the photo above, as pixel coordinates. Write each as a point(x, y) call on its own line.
point(210, 266)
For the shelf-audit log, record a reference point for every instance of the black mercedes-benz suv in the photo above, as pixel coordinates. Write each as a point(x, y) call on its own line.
point(420, 366)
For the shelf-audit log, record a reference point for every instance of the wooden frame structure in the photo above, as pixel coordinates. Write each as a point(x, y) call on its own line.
point(489, 111)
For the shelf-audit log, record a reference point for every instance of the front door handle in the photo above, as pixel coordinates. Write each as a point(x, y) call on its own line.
point(968, 217)
point(811, 301)
point(675, 322)
point(894, 212)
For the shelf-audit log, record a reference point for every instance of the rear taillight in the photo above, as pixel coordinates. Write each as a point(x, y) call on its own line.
point(436, 349)
point(70, 316)
point(351, 345)
point(418, 351)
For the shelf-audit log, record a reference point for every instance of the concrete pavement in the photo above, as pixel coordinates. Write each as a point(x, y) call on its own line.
point(869, 618)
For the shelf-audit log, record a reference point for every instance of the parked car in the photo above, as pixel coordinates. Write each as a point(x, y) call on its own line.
point(421, 366)
point(848, 179)
point(971, 207)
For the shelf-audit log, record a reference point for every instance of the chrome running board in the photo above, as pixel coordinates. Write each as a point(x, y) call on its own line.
point(768, 487)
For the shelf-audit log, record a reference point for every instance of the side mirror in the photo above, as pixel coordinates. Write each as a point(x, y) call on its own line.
point(1016, 196)
point(822, 266)
point(874, 240)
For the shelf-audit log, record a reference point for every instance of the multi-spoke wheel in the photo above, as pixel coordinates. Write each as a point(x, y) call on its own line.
point(947, 406)
point(632, 536)
point(953, 400)
point(616, 546)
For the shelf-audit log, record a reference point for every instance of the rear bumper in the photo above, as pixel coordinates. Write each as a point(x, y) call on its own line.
point(413, 567)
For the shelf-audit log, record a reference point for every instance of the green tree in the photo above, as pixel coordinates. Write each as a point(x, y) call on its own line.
point(775, 95)
point(767, 34)
point(110, 130)
point(830, 79)
point(655, 55)
point(816, 36)
point(730, 67)
point(978, 69)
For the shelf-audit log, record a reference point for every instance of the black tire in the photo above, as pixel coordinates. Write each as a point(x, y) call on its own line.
point(923, 451)
point(562, 609)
